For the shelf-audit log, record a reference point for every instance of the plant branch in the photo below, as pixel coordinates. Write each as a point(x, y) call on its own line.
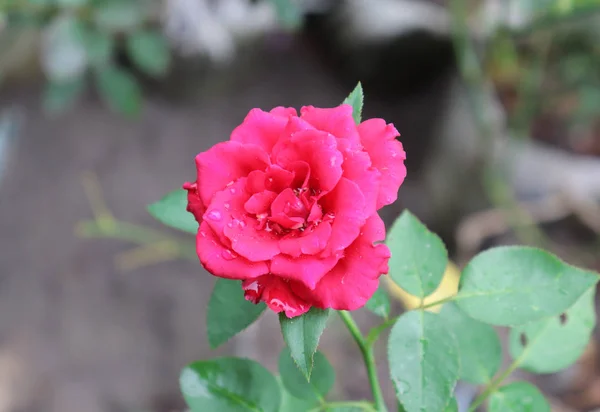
point(368, 357)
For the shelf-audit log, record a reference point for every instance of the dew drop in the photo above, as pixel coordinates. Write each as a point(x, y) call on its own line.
point(214, 215)
point(228, 254)
point(402, 387)
point(226, 206)
point(232, 190)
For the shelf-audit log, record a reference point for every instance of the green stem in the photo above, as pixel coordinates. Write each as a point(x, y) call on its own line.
point(493, 386)
point(368, 357)
point(364, 405)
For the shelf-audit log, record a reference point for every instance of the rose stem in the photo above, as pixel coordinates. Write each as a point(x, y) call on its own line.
point(369, 359)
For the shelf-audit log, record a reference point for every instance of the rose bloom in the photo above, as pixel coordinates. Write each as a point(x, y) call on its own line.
point(289, 206)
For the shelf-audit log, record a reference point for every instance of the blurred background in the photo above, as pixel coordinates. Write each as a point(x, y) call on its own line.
point(104, 104)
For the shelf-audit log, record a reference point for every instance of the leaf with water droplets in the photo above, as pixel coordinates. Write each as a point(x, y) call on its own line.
point(355, 99)
point(424, 361)
point(228, 312)
point(514, 285)
point(552, 344)
point(302, 334)
point(171, 211)
point(229, 385)
point(518, 397)
point(419, 257)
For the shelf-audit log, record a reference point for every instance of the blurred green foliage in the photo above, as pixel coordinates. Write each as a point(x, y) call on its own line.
point(103, 44)
point(85, 42)
point(546, 72)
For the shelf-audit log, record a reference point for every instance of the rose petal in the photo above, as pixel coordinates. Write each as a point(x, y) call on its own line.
point(309, 242)
point(278, 179)
point(262, 128)
point(260, 203)
point(194, 205)
point(347, 205)
point(221, 261)
point(276, 293)
point(227, 205)
point(225, 163)
point(305, 269)
point(352, 282)
point(319, 150)
point(337, 120)
point(387, 155)
point(357, 167)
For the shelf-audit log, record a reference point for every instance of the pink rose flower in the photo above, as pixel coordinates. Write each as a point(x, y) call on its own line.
point(289, 206)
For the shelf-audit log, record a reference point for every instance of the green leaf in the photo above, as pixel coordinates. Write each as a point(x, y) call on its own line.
point(301, 335)
point(149, 51)
point(452, 406)
point(552, 344)
point(290, 403)
point(518, 397)
point(171, 211)
point(515, 285)
point(118, 15)
point(60, 96)
point(323, 377)
point(419, 257)
point(355, 99)
point(379, 303)
point(229, 385)
point(99, 47)
point(479, 348)
point(120, 90)
point(424, 361)
point(228, 312)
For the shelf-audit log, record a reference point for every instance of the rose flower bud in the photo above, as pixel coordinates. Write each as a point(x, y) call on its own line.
point(289, 206)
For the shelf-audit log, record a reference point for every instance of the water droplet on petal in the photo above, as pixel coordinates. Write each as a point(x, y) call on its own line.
point(214, 215)
point(226, 206)
point(232, 190)
point(228, 254)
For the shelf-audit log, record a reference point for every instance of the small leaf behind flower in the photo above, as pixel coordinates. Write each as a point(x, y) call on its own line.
point(355, 99)
point(555, 343)
point(228, 312)
point(419, 257)
point(301, 335)
point(518, 397)
point(452, 407)
point(171, 211)
point(229, 385)
point(424, 361)
point(379, 303)
point(514, 285)
point(295, 382)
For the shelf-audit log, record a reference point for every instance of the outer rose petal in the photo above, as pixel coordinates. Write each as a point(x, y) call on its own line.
point(352, 282)
point(261, 128)
point(357, 167)
point(226, 205)
point(221, 261)
point(387, 155)
point(195, 205)
point(224, 163)
point(276, 293)
point(305, 269)
point(337, 120)
point(319, 150)
point(347, 203)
